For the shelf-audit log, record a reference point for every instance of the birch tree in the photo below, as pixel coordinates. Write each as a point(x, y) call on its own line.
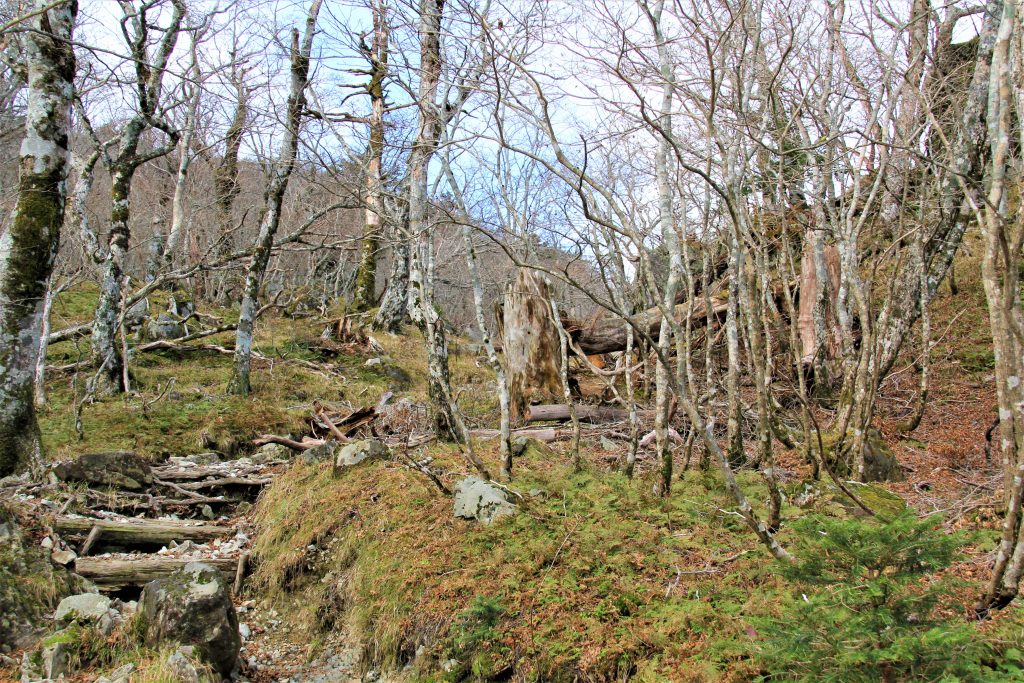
point(29, 243)
point(299, 58)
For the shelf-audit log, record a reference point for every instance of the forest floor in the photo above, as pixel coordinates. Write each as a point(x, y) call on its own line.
point(595, 579)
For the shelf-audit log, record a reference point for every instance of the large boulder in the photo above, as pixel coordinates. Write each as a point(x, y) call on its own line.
point(193, 607)
point(82, 607)
point(358, 451)
point(482, 501)
point(118, 469)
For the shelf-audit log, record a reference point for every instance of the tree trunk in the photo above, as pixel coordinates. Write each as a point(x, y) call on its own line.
point(530, 343)
point(240, 379)
point(394, 307)
point(366, 279)
point(29, 245)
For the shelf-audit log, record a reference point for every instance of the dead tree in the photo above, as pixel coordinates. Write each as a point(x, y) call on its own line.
point(531, 344)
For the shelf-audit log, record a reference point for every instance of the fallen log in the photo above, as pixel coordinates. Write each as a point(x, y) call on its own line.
point(545, 435)
point(196, 472)
point(225, 481)
point(142, 532)
point(608, 334)
point(585, 413)
point(116, 573)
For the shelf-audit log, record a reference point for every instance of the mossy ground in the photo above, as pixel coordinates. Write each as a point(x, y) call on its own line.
point(596, 579)
point(178, 402)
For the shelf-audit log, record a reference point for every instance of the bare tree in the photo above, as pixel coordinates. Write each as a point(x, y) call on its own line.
point(282, 170)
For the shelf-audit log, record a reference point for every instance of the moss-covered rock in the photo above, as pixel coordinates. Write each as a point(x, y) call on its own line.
point(30, 586)
point(193, 607)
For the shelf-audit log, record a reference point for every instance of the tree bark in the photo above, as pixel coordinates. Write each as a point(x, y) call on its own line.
point(377, 53)
point(240, 380)
point(28, 247)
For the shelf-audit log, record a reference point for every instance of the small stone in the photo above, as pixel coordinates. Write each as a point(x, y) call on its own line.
point(121, 675)
point(271, 452)
point(244, 631)
point(47, 542)
point(243, 507)
point(608, 445)
point(372, 362)
point(358, 451)
point(107, 623)
point(85, 607)
point(317, 454)
point(64, 557)
point(207, 512)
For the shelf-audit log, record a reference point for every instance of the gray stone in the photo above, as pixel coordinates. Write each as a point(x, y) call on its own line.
point(165, 326)
point(64, 557)
point(193, 607)
point(208, 458)
point(372, 362)
point(7, 531)
point(121, 675)
point(182, 663)
point(271, 452)
point(118, 469)
point(608, 445)
point(358, 451)
point(317, 454)
point(84, 607)
point(49, 662)
point(482, 501)
point(108, 622)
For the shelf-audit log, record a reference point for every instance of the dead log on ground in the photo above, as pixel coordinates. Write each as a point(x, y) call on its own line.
point(585, 413)
point(140, 532)
point(117, 573)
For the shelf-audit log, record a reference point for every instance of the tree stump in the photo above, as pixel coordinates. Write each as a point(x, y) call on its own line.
point(530, 343)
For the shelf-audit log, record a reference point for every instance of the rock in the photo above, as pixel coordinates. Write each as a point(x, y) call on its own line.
point(64, 557)
point(83, 607)
point(165, 326)
point(118, 469)
point(358, 451)
point(243, 507)
point(208, 458)
point(50, 661)
point(244, 631)
point(608, 445)
point(482, 501)
point(7, 531)
point(207, 512)
point(317, 454)
point(121, 675)
point(372, 362)
point(879, 462)
point(108, 622)
point(193, 606)
point(47, 542)
point(182, 663)
point(271, 452)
